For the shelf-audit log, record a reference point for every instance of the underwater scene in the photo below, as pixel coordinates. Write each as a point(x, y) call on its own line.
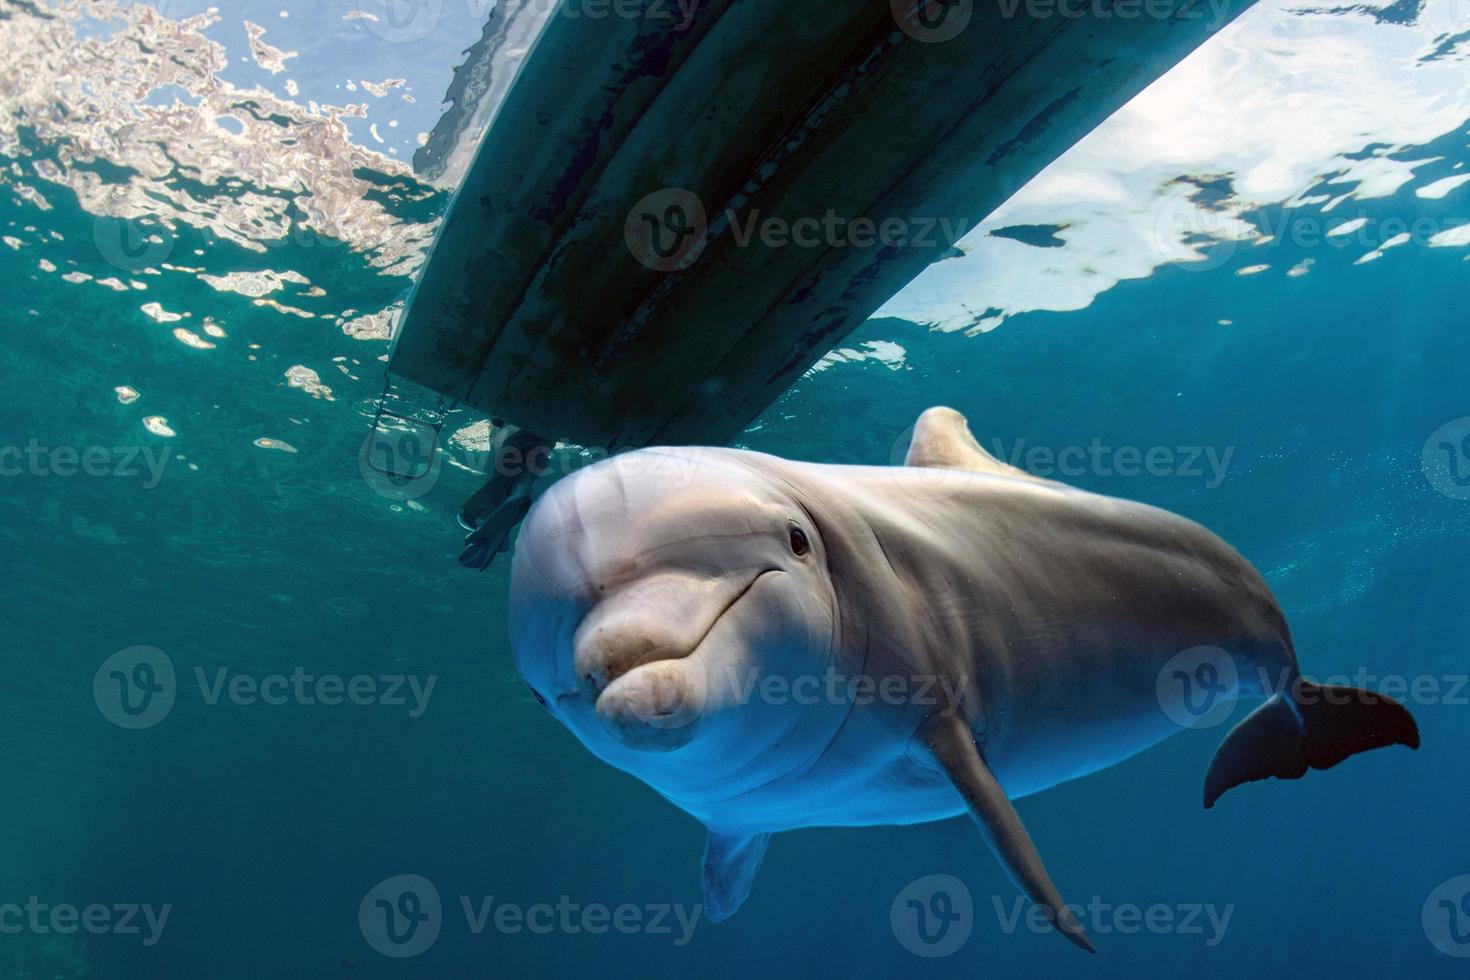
point(259, 720)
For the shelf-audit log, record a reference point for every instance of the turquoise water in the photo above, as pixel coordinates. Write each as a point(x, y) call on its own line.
point(224, 521)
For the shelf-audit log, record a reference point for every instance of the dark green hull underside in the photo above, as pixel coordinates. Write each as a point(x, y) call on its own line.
point(551, 300)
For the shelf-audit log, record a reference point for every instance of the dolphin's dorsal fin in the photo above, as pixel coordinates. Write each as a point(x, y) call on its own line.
point(942, 440)
point(949, 739)
point(730, 864)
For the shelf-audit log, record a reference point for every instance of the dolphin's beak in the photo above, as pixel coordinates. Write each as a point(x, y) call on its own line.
point(656, 707)
point(633, 656)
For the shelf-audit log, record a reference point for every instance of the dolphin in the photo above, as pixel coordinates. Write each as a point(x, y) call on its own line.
point(773, 644)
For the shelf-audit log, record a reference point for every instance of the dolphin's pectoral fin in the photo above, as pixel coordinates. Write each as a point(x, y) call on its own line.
point(942, 440)
point(730, 864)
point(953, 746)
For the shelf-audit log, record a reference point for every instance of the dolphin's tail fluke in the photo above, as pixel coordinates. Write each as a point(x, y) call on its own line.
point(1314, 727)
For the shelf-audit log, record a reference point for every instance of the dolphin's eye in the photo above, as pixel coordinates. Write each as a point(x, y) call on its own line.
point(799, 543)
point(539, 699)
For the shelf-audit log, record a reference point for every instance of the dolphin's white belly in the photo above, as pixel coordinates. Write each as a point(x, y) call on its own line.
point(1044, 745)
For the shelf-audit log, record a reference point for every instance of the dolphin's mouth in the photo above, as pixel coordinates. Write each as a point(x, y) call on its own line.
point(657, 704)
point(661, 654)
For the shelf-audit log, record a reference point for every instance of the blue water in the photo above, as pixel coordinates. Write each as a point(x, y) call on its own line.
point(263, 827)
